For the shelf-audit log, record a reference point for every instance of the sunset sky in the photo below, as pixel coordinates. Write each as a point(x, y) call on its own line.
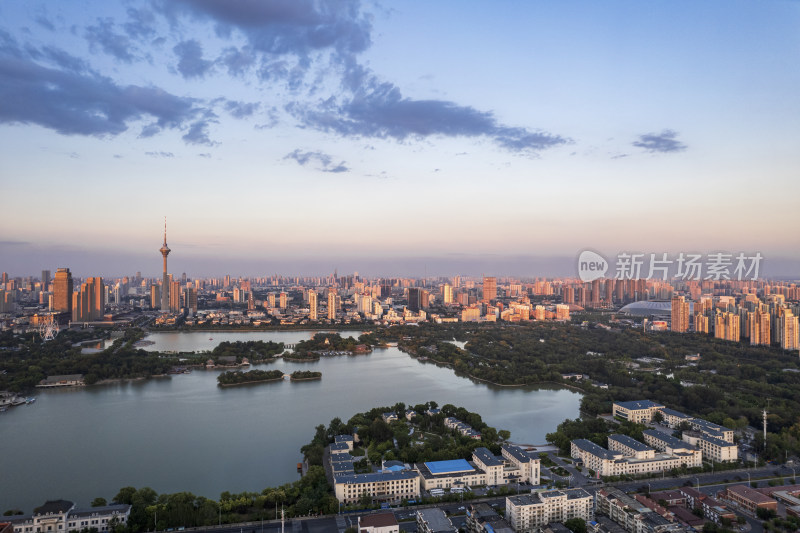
point(396, 138)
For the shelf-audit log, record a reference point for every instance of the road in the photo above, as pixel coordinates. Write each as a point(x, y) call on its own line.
point(709, 483)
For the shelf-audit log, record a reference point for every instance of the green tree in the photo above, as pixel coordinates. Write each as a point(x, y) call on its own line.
point(576, 525)
point(365, 500)
point(125, 495)
point(99, 502)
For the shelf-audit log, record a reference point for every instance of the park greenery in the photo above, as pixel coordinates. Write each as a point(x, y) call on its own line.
point(254, 351)
point(300, 375)
point(423, 438)
point(730, 385)
point(27, 359)
point(227, 379)
point(326, 342)
point(307, 496)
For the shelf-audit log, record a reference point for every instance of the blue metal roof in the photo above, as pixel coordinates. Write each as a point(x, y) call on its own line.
point(449, 467)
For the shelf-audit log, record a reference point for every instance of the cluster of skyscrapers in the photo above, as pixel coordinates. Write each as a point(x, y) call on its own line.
point(759, 321)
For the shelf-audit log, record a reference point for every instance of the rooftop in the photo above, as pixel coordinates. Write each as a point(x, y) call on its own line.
point(668, 439)
point(378, 520)
point(486, 457)
point(376, 477)
point(673, 412)
point(751, 494)
point(717, 441)
point(436, 520)
point(105, 509)
point(536, 498)
point(638, 405)
point(517, 453)
point(594, 449)
point(629, 442)
point(54, 507)
point(448, 467)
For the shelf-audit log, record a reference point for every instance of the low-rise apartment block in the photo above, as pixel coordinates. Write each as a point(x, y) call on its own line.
point(485, 469)
point(483, 518)
point(632, 515)
point(630, 447)
point(529, 468)
point(60, 516)
point(714, 449)
point(434, 521)
point(711, 508)
point(528, 512)
point(749, 499)
point(673, 418)
point(605, 462)
point(378, 523)
point(639, 412)
point(382, 487)
point(714, 440)
point(690, 456)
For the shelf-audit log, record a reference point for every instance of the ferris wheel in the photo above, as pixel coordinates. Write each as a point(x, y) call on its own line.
point(48, 328)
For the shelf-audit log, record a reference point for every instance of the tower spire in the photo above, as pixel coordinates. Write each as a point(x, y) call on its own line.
point(165, 231)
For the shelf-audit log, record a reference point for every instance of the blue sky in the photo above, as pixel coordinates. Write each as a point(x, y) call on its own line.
point(398, 138)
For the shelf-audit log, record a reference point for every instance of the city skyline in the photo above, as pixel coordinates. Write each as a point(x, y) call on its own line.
point(300, 137)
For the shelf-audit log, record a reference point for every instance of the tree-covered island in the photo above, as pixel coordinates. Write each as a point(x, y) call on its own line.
point(230, 379)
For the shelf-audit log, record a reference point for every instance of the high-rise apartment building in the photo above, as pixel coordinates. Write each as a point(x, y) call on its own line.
point(414, 299)
point(45, 280)
point(759, 327)
point(312, 304)
point(424, 299)
point(282, 300)
point(155, 296)
point(174, 295)
point(332, 296)
point(701, 323)
point(568, 295)
point(489, 288)
point(790, 333)
point(596, 292)
point(89, 303)
point(447, 293)
point(62, 291)
point(190, 299)
point(727, 327)
point(680, 315)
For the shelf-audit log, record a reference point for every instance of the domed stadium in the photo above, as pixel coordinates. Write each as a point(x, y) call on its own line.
point(647, 308)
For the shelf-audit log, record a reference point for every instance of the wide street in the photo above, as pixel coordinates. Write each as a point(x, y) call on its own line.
point(710, 483)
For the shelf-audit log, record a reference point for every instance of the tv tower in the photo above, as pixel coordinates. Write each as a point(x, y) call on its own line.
point(165, 282)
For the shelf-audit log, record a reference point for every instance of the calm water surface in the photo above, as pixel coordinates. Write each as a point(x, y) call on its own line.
point(185, 433)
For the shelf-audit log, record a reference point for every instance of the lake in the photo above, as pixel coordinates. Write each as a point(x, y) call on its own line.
point(183, 433)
